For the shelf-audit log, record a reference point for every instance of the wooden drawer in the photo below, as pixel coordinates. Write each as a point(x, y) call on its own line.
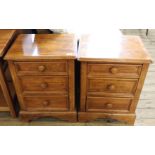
point(50, 68)
point(52, 103)
point(112, 87)
point(43, 84)
point(99, 104)
point(114, 70)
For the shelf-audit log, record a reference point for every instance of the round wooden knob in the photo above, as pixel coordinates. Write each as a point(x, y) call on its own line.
point(44, 85)
point(114, 70)
point(108, 105)
point(111, 87)
point(45, 103)
point(41, 68)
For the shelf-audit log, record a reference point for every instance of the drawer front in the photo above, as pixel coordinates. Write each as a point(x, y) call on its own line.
point(115, 87)
point(43, 83)
point(53, 68)
point(98, 104)
point(114, 70)
point(52, 103)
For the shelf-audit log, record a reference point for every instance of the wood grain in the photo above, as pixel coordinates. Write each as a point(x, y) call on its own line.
point(42, 68)
point(44, 76)
point(112, 69)
point(43, 46)
point(6, 38)
point(119, 48)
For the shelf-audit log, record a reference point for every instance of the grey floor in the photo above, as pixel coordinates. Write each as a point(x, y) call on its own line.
point(146, 106)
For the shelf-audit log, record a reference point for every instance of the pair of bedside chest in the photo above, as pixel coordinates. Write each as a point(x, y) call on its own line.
point(111, 76)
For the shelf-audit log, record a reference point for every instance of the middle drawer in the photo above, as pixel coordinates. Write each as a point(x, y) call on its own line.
point(112, 87)
point(38, 84)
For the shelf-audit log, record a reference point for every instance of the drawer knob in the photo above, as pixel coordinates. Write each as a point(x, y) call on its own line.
point(111, 87)
point(45, 103)
point(113, 70)
point(44, 85)
point(41, 68)
point(108, 105)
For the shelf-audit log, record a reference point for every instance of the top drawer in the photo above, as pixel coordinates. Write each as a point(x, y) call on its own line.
point(114, 70)
point(50, 68)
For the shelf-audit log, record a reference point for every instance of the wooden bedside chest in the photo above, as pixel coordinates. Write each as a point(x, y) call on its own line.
point(7, 92)
point(113, 70)
point(42, 68)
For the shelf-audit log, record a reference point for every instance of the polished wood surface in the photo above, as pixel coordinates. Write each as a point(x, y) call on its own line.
point(6, 36)
point(112, 77)
point(119, 48)
point(43, 46)
point(44, 79)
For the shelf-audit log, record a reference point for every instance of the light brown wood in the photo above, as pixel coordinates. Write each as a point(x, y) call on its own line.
point(71, 88)
point(92, 116)
point(3, 104)
point(6, 38)
point(42, 103)
point(104, 104)
point(83, 86)
point(114, 70)
point(140, 86)
point(17, 85)
point(146, 108)
point(119, 48)
point(43, 47)
point(44, 80)
point(47, 68)
point(112, 87)
point(31, 115)
point(43, 83)
point(6, 94)
point(113, 75)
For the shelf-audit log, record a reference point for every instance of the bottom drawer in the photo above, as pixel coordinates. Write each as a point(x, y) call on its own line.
point(51, 103)
point(100, 104)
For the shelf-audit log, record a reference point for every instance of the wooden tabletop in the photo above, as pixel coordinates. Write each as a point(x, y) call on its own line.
point(43, 46)
point(115, 48)
point(5, 37)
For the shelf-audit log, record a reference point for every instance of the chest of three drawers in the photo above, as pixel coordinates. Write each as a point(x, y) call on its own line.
point(111, 78)
point(44, 83)
point(110, 90)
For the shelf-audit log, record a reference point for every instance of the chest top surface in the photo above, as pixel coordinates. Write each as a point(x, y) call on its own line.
point(119, 48)
point(43, 46)
point(5, 37)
